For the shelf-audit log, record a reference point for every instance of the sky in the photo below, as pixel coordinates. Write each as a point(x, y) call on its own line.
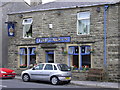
point(44, 1)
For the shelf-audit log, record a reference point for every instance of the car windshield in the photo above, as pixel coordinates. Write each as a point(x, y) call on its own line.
point(63, 67)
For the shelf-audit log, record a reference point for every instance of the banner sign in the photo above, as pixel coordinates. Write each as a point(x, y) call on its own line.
point(53, 40)
point(11, 29)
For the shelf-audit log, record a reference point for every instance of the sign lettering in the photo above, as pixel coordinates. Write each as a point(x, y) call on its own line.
point(53, 39)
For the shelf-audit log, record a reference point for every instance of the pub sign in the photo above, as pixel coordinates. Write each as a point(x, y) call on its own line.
point(53, 39)
point(11, 29)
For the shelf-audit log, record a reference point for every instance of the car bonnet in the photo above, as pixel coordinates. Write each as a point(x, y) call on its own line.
point(6, 70)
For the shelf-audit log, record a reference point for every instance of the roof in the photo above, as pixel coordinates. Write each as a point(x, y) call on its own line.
point(64, 4)
point(14, 6)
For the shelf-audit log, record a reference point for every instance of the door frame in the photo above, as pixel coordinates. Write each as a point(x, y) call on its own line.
point(47, 52)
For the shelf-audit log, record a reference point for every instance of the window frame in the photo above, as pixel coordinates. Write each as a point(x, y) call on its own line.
point(80, 19)
point(27, 23)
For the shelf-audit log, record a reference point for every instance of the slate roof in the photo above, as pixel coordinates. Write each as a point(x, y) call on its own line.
point(63, 4)
point(14, 6)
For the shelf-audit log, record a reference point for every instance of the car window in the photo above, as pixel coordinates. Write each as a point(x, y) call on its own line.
point(55, 68)
point(63, 67)
point(48, 67)
point(39, 67)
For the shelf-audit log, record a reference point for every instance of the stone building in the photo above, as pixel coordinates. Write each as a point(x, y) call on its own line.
point(76, 33)
point(7, 6)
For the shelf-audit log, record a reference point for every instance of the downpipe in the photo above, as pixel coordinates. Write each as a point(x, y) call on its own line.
point(105, 40)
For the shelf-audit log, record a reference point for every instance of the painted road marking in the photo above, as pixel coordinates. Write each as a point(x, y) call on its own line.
point(2, 86)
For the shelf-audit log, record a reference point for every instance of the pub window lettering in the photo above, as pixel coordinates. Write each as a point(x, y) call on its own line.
point(83, 23)
point(27, 28)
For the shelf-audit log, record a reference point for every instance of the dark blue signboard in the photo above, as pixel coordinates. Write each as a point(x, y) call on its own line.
point(53, 39)
point(11, 29)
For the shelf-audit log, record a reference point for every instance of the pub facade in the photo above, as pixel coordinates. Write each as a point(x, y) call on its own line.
point(85, 35)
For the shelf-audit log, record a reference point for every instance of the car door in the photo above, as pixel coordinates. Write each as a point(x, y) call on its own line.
point(48, 69)
point(36, 72)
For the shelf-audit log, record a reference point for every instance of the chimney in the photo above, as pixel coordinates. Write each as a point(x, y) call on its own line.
point(35, 2)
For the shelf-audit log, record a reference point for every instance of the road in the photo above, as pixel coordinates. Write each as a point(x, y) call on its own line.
point(17, 84)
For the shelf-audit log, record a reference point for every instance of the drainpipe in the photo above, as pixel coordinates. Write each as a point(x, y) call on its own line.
point(105, 30)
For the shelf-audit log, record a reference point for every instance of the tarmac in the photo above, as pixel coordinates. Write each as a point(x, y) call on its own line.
point(92, 83)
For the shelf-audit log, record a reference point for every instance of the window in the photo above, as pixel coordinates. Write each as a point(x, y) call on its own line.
point(83, 23)
point(27, 56)
point(73, 50)
point(39, 67)
point(48, 67)
point(63, 67)
point(23, 57)
point(27, 28)
point(85, 56)
point(85, 49)
point(79, 56)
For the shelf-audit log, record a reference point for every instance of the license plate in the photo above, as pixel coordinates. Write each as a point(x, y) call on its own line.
point(68, 77)
point(9, 75)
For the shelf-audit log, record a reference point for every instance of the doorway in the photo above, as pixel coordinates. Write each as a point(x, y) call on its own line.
point(50, 56)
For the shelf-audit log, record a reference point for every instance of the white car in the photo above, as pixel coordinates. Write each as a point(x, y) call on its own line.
point(52, 72)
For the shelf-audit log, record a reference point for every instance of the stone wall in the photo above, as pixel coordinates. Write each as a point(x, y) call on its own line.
point(65, 24)
point(113, 43)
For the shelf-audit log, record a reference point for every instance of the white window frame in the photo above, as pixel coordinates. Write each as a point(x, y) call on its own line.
point(30, 20)
point(80, 18)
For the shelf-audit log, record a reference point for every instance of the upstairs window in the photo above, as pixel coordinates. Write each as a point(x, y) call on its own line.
point(27, 28)
point(83, 23)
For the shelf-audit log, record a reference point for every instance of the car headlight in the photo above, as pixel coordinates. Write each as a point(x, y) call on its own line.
point(3, 72)
point(13, 72)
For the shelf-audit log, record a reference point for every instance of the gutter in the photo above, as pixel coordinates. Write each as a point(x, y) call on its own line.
point(61, 8)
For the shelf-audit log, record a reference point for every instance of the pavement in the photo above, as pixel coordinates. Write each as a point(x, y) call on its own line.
point(92, 83)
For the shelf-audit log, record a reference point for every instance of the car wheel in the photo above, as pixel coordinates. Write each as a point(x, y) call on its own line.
point(54, 80)
point(26, 78)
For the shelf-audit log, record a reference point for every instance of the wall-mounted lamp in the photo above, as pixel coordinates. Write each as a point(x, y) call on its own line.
point(50, 26)
point(59, 12)
point(20, 15)
point(98, 9)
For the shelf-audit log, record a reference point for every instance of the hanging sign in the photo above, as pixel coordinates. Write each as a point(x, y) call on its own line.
point(11, 29)
point(53, 39)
